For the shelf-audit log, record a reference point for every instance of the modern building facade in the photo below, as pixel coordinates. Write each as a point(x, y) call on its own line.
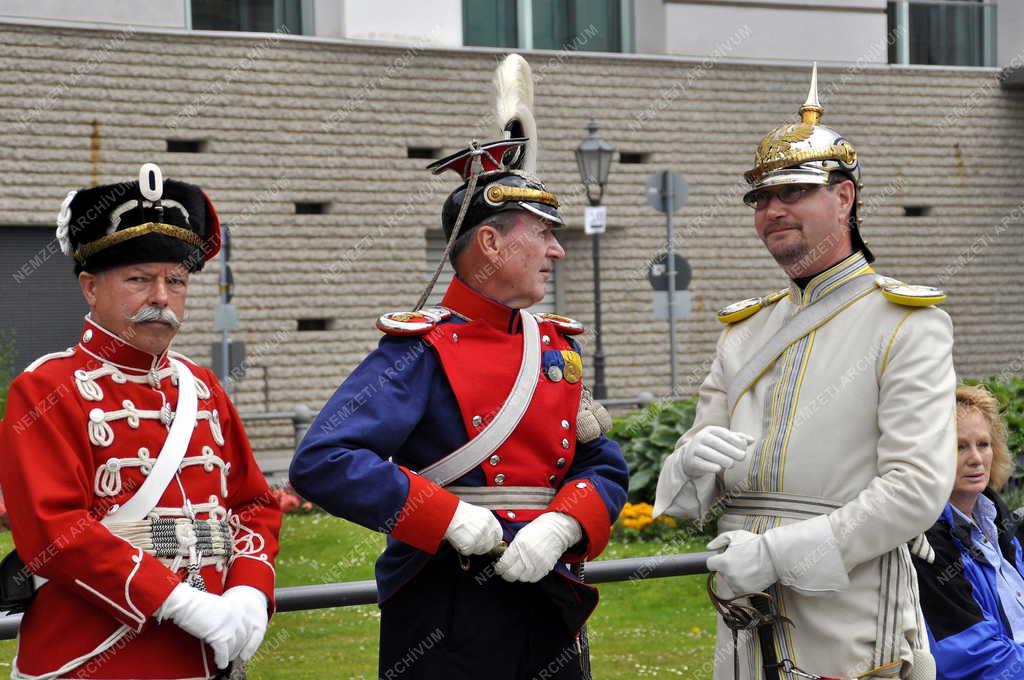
point(313, 144)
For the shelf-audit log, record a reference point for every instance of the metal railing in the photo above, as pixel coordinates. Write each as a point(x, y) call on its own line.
point(301, 417)
point(352, 593)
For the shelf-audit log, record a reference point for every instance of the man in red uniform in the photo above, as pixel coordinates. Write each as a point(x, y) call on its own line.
point(152, 545)
point(468, 430)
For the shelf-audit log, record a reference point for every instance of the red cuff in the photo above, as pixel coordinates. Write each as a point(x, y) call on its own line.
point(149, 587)
point(427, 512)
point(580, 500)
point(256, 573)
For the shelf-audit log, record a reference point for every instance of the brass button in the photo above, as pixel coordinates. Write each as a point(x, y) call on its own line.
point(551, 479)
point(565, 443)
point(499, 479)
point(565, 424)
point(546, 340)
point(511, 515)
point(560, 463)
point(494, 460)
point(477, 421)
point(455, 337)
point(87, 336)
point(581, 485)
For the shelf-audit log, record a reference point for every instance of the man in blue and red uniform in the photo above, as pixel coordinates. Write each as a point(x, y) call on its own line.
point(448, 375)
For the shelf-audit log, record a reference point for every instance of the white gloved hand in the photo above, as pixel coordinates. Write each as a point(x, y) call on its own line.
point(712, 450)
point(473, 530)
point(251, 605)
point(535, 549)
point(746, 565)
point(211, 618)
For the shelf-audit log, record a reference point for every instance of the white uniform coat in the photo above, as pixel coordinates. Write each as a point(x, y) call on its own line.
point(853, 423)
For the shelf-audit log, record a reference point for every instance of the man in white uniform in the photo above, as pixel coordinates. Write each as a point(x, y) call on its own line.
point(824, 435)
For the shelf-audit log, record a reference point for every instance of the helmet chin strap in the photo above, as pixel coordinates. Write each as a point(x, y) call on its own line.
point(467, 197)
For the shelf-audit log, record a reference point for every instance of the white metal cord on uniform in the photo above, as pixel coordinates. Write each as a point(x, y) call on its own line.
point(467, 198)
point(139, 505)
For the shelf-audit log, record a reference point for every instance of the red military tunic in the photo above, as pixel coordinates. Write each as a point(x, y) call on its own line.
point(410, 404)
point(82, 429)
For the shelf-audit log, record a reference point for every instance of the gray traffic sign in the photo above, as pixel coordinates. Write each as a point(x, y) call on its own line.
point(682, 305)
point(657, 273)
point(666, 191)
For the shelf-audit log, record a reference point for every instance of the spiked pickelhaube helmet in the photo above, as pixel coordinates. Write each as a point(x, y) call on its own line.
point(808, 152)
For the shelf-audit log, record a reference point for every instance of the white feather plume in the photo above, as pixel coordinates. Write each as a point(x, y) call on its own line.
point(64, 222)
point(513, 84)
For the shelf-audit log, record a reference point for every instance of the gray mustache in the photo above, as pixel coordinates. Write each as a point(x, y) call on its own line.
point(150, 313)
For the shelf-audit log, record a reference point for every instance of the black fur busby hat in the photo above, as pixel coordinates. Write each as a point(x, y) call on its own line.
point(151, 220)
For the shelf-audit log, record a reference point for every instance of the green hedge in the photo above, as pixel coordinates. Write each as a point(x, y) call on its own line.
point(6, 365)
point(1010, 393)
point(647, 437)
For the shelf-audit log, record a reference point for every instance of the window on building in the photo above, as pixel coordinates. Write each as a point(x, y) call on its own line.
point(490, 23)
point(435, 247)
point(948, 32)
point(588, 25)
point(257, 16)
point(38, 276)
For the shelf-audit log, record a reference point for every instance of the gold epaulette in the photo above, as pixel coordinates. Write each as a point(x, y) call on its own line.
point(412, 323)
point(909, 295)
point(744, 309)
point(563, 323)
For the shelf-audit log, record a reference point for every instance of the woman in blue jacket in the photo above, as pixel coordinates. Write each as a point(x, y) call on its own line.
point(972, 588)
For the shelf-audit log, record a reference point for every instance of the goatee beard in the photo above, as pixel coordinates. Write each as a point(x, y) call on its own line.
point(788, 253)
point(791, 254)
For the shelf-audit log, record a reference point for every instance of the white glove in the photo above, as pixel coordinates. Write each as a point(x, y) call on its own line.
point(535, 549)
point(251, 605)
point(712, 450)
point(211, 618)
point(473, 530)
point(746, 564)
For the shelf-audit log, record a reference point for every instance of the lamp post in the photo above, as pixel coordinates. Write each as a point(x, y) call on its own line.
point(594, 158)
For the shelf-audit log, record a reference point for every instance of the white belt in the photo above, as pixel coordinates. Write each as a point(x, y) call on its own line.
point(506, 497)
point(778, 504)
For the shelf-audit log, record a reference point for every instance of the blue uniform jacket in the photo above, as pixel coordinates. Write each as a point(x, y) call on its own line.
point(967, 630)
point(397, 413)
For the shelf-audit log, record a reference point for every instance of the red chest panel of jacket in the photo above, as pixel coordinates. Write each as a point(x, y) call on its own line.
point(481, 360)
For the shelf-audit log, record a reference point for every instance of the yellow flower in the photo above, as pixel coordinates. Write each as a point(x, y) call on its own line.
point(641, 522)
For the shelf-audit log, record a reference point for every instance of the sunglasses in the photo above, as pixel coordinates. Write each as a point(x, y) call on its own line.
point(788, 194)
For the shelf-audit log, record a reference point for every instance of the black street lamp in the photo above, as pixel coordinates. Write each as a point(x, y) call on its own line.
point(594, 158)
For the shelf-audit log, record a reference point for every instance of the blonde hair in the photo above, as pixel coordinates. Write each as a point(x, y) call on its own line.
point(978, 399)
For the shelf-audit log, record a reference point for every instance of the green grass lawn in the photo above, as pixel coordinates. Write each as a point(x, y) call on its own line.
point(661, 628)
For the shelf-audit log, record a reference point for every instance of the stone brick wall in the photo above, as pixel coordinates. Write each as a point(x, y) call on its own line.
point(287, 119)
